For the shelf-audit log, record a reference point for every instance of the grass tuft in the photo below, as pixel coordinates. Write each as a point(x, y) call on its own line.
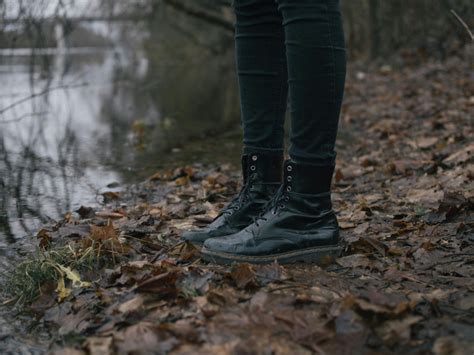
point(23, 282)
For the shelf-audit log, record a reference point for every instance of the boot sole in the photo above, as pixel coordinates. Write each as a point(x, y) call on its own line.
point(317, 255)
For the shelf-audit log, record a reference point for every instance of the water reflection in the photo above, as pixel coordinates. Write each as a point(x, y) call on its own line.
point(74, 120)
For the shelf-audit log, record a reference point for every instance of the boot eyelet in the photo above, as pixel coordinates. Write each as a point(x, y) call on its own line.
point(253, 167)
point(289, 168)
point(289, 178)
point(274, 212)
point(287, 198)
point(282, 206)
point(254, 157)
point(288, 188)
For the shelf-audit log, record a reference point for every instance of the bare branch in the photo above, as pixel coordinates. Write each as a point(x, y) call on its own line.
point(463, 23)
point(26, 115)
point(41, 93)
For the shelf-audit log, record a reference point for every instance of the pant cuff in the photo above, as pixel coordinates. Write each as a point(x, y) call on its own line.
point(249, 150)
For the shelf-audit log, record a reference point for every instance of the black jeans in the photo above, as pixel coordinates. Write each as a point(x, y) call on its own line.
point(296, 45)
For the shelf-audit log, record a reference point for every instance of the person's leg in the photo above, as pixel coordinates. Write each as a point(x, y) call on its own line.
point(300, 224)
point(317, 67)
point(262, 74)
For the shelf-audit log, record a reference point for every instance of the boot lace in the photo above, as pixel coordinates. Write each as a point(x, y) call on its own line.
point(237, 202)
point(275, 205)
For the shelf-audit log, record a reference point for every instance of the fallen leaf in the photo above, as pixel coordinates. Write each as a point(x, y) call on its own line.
point(244, 276)
point(354, 261)
point(44, 238)
point(143, 338)
point(74, 276)
point(132, 305)
point(397, 331)
point(61, 289)
point(99, 345)
point(110, 196)
point(452, 345)
point(163, 285)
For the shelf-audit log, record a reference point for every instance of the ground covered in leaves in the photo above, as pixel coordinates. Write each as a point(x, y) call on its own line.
point(121, 281)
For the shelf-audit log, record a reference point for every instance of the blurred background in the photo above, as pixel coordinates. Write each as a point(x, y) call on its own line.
point(96, 94)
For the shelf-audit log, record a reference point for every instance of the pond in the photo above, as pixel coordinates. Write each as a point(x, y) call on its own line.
point(108, 106)
point(77, 120)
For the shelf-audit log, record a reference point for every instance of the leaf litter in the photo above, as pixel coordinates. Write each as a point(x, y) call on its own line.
point(403, 191)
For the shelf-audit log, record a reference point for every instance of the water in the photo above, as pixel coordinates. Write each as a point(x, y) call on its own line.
point(78, 119)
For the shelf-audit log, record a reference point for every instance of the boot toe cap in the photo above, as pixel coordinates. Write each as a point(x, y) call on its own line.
point(225, 244)
point(196, 236)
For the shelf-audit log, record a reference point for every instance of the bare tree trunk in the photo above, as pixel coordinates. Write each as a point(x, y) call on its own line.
point(374, 27)
point(199, 12)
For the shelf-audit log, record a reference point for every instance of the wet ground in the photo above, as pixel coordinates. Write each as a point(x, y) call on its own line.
point(403, 195)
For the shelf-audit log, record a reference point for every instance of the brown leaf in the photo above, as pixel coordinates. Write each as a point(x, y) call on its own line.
point(208, 309)
point(143, 338)
point(46, 299)
point(366, 245)
point(44, 238)
point(107, 237)
point(451, 205)
point(183, 180)
point(425, 196)
point(132, 305)
point(156, 176)
point(393, 274)
point(85, 212)
point(244, 276)
point(452, 345)
point(163, 285)
point(346, 225)
point(354, 261)
point(361, 228)
point(109, 215)
point(110, 196)
point(195, 279)
point(99, 345)
point(75, 322)
point(379, 303)
point(423, 142)
point(397, 331)
point(462, 155)
point(270, 273)
point(466, 303)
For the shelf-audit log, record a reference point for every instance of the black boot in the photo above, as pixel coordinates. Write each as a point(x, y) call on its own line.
point(298, 225)
point(262, 178)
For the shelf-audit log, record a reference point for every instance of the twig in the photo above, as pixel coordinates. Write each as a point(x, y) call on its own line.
point(463, 23)
point(26, 115)
point(32, 96)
